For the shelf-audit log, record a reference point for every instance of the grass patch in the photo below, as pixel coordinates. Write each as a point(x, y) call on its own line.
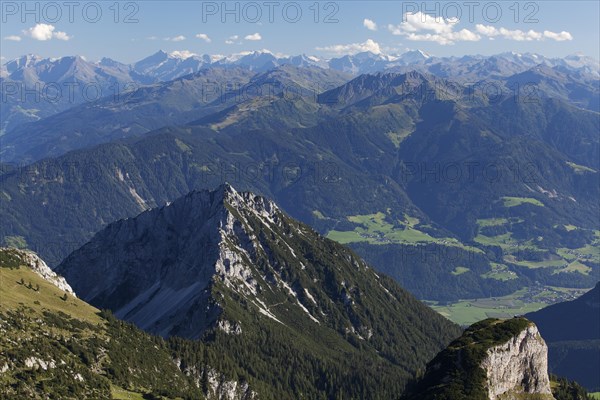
point(588, 252)
point(122, 394)
point(580, 169)
point(500, 272)
point(535, 264)
point(575, 266)
point(491, 222)
point(182, 146)
point(504, 241)
point(517, 201)
point(318, 214)
point(398, 137)
point(460, 270)
point(567, 254)
point(374, 229)
point(467, 313)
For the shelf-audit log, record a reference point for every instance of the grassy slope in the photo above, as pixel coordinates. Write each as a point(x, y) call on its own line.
point(49, 297)
point(37, 322)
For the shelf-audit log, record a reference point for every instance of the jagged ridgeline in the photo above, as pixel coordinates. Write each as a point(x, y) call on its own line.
point(273, 304)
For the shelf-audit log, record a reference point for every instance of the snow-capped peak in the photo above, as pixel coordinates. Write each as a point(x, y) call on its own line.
point(182, 54)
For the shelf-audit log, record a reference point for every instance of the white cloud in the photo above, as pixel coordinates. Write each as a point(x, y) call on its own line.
point(232, 39)
point(516, 34)
point(417, 22)
point(425, 27)
point(487, 30)
point(519, 35)
point(61, 36)
point(559, 37)
point(13, 38)
point(179, 38)
point(204, 37)
point(45, 32)
point(254, 37)
point(463, 35)
point(40, 32)
point(152, 38)
point(353, 48)
point(369, 24)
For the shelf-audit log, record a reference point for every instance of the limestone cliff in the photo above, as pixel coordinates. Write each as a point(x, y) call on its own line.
point(492, 360)
point(518, 367)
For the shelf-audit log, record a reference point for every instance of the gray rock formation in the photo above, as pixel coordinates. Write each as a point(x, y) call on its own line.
point(493, 359)
point(161, 264)
point(519, 366)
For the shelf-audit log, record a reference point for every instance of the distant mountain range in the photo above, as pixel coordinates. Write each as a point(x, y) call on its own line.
point(496, 191)
point(64, 82)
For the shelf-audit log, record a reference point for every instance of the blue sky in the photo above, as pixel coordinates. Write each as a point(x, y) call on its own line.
point(140, 28)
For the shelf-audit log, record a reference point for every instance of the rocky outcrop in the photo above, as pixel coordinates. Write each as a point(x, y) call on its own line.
point(518, 367)
point(218, 387)
point(31, 260)
point(492, 360)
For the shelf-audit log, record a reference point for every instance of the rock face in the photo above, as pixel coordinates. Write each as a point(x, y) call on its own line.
point(31, 260)
point(493, 360)
point(156, 270)
point(518, 366)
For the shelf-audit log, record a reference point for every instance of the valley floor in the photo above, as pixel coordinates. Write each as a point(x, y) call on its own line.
point(468, 311)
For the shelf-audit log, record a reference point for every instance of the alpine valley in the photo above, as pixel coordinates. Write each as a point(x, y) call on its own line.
point(260, 226)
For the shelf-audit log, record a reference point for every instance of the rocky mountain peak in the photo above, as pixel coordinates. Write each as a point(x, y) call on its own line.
point(231, 263)
point(162, 265)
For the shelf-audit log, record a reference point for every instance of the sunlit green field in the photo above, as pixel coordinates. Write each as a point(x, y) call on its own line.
point(467, 312)
point(375, 229)
point(122, 394)
point(517, 201)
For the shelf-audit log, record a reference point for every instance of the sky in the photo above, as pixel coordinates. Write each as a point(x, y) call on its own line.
point(128, 31)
